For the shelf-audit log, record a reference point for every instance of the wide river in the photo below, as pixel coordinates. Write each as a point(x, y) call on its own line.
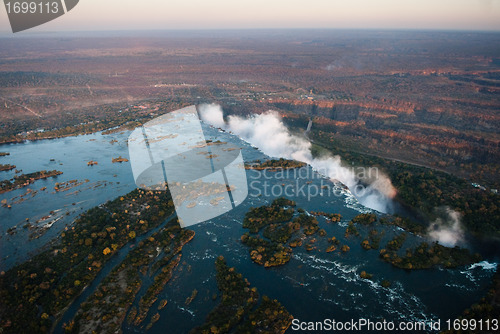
point(313, 286)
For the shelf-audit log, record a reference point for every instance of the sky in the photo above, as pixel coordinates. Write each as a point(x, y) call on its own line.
point(91, 15)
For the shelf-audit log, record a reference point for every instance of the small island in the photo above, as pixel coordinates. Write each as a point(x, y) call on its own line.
point(266, 253)
point(275, 165)
point(423, 256)
point(426, 256)
point(116, 293)
point(119, 159)
point(331, 217)
point(257, 218)
point(373, 240)
point(4, 168)
point(236, 312)
point(68, 185)
point(24, 180)
point(365, 219)
point(365, 275)
point(405, 223)
point(351, 230)
point(272, 227)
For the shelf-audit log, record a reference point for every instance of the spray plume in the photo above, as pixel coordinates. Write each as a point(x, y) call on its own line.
point(268, 133)
point(447, 230)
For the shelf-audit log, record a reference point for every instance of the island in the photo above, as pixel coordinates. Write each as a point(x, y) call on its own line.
point(274, 230)
point(35, 293)
point(275, 165)
point(373, 241)
point(332, 217)
point(108, 306)
point(238, 311)
point(24, 180)
point(68, 185)
point(119, 159)
point(4, 168)
point(426, 256)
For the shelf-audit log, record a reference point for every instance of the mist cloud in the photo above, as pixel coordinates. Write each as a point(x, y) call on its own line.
point(447, 230)
point(268, 133)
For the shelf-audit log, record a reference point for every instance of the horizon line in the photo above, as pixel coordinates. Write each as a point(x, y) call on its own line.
point(115, 31)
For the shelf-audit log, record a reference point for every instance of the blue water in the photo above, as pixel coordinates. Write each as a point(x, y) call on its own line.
point(70, 155)
point(312, 286)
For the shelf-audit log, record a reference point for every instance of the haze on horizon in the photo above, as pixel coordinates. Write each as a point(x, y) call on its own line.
point(94, 15)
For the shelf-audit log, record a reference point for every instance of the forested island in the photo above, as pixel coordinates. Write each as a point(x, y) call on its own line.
point(238, 311)
point(105, 310)
point(424, 256)
point(119, 159)
point(7, 167)
point(276, 229)
point(275, 164)
point(35, 293)
point(24, 180)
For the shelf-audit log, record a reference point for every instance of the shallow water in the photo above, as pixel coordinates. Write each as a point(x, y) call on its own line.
point(70, 155)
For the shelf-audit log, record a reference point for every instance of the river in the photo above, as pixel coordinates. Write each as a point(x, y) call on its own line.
point(313, 286)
